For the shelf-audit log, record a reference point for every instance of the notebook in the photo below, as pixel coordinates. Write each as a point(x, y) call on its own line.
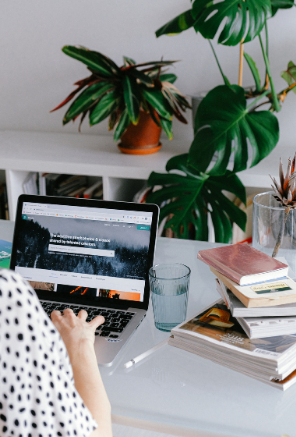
point(88, 254)
point(243, 264)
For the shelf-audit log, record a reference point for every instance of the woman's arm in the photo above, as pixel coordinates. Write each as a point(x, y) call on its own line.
point(78, 336)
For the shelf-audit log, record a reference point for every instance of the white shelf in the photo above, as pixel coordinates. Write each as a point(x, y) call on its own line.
point(79, 154)
point(91, 155)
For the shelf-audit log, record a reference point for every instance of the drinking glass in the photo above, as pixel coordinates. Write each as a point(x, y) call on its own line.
point(169, 284)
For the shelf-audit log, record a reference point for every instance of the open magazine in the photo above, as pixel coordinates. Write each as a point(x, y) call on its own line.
point(261, 324)
point(215, 334)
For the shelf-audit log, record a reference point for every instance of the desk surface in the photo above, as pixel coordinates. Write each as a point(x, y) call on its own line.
point(173, 388)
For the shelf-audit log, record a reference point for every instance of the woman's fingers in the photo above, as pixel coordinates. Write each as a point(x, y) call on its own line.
point(82, 315)
point(68, 314)
point(56, 317)
point(97, 321)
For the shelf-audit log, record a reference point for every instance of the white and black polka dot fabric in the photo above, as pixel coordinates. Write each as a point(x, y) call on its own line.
point(37, 393)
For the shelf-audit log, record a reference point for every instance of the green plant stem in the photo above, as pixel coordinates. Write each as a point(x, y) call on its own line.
point(273, 92)
point(266, 41)
point(266, 84)
point(226, 81)
point(257, 99)
point(281, 233)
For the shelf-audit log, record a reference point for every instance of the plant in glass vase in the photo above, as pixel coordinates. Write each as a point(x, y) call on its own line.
point(226, 124)
point(285, 194)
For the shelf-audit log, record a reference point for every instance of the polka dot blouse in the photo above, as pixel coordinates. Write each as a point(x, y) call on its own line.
point(37, 392)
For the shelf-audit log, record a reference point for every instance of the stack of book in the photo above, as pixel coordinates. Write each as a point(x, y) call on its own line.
point(52, 184)
point(252, 329)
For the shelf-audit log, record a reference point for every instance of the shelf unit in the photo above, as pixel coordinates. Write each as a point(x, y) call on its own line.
point(91, 155)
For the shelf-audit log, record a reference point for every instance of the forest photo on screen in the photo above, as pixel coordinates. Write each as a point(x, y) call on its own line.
point(130, 246)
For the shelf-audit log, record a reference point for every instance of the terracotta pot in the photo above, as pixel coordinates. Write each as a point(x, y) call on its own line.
point(142, 138)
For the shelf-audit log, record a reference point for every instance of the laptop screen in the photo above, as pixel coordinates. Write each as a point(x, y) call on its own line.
point(83, 252)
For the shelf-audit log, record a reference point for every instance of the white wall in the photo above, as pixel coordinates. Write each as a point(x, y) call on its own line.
point(35, 75)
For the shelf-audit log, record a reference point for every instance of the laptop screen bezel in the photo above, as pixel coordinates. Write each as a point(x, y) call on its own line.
point(89, 203)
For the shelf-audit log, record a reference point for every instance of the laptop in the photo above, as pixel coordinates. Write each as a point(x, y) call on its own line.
point(88, 254)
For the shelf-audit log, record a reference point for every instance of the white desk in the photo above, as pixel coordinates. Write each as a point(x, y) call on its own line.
point(180, 393)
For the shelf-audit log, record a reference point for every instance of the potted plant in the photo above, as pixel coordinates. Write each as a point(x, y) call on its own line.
point(137, 98)
point(225, 124)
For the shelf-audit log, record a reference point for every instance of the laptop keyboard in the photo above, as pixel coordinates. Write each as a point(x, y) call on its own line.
point(115, 320)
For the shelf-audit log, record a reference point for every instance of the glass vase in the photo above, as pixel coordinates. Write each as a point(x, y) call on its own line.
point(272, 226)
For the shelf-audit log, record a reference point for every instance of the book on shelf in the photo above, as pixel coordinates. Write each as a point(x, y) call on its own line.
point(4, 214)
point(215, 334)
point(243, 264)
point(54, 184)
point(259, 326)
point(262, 294)
point(42, 183)
point(95, 189)
point(30, 184)
point(238, 309)
point(72, 183)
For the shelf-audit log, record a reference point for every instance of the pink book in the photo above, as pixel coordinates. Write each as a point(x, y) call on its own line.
point(243, 264)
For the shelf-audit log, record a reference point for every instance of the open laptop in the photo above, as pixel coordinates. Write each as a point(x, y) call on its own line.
point(88, 254)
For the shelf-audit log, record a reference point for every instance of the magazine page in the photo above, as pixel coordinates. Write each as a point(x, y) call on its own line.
point(215, 324)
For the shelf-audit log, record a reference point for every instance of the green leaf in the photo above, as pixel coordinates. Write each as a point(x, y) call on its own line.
point(86, 99)
point(230, 182)
point(234, 19)
point(223, 124)
point(108, 103)
point(167, 127)
point(222, 225)
point(132, 97)
point(122, 125)
point(189, 196)
point(281, 4)
point(177, 25)
point(254, 70)
point(168, 77)
point(96, 61)
point(128, 61)
point(290, 74)
point(158, 102)
point(144, 78)
point(234, 213)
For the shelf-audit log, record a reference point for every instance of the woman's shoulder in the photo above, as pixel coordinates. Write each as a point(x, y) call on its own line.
point(11, 282)
point(10, 275)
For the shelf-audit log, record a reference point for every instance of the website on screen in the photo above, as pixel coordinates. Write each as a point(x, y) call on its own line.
point(84, 251)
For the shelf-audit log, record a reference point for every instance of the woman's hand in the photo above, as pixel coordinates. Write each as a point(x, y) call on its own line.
point(75, 331)
point(79, 337)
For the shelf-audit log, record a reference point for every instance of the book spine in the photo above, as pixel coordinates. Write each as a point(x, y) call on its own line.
point(245, 300)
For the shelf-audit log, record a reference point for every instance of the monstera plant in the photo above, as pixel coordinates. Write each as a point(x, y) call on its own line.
point(226, 123)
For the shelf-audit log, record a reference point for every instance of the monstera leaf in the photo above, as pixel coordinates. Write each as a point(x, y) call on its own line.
point(281, 4)
point(241, 19)
point(223, 124)
point(190, 196)
point(177, 25)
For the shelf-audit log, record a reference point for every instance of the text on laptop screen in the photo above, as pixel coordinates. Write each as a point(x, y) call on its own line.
point(81, 251)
